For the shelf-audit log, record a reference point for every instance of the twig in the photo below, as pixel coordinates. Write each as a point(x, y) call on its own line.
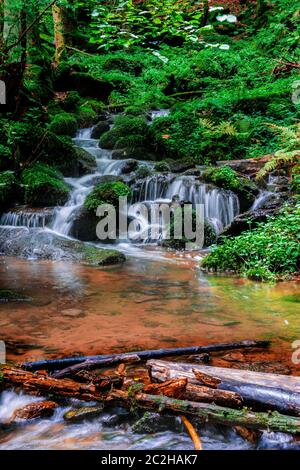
point(192, 432)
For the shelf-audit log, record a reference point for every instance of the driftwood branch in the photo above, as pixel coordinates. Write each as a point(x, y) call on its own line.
point(56, 364)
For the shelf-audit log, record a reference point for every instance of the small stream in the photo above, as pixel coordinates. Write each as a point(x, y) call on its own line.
point(156, 299)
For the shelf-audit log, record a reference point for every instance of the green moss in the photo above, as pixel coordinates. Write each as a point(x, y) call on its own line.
point(60, 152)
point(44, 186)
point(227, 178)
point(210, 236)
point(128, 131)
point(86, 116)
point(64, 124)
point(143, 171)
point(99, 257)
point(162, 167)
point(107, 193)
point(9, 188)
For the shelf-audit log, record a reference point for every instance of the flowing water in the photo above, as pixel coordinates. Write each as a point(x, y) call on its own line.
point(156, 299)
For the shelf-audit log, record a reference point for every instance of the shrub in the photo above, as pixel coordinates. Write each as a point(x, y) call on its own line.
point(143, 171)
point(269, 251)
point(44, 186)
point(162, 167)
point(64, 124)
point(107, 193)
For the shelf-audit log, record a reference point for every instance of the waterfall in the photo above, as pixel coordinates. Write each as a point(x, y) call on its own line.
point(220, 206)
point(27, 218)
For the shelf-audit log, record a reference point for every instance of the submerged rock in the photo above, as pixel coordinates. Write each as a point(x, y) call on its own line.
point(41, 409)
point(80, 414)
point(12, 296)
point(153, 422)
point(99, 129)
point(40, 244)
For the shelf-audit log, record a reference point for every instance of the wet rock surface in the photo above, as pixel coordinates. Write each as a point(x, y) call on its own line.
point(39, 244)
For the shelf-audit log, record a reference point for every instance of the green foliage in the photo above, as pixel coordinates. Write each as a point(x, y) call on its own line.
point(271, 250)
point(107, 193)
point(8, 188)
point(44, 186)
point(64, 124)
point(162, 167)
point(122, 24)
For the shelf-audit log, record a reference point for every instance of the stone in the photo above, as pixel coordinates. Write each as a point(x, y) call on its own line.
point(99, 129)
point(86, 412)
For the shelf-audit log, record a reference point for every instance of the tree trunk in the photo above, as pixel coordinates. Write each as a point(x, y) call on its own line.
point(208, 412)
point(59, 34)
point(271, 391)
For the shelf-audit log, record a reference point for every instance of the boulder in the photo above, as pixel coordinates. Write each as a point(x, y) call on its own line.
point(137, 153)
point(39, 244)
point(84, 224)
point(99, 129)
point(86, 163)
point(129, 166)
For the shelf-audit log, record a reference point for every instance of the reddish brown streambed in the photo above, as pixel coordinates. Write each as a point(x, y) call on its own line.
point(143, 304)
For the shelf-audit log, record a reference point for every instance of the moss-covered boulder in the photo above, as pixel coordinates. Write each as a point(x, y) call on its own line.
point(44, 186)
point(99, 129)
point(227, 178)
point(128, 131)
point(40, 244)
point(136, 153)
point(85, 163)
point(84, 223)
point(107, 193)
point(9, 189)
point(86, 116)
point(210, 235)
point(64, 124)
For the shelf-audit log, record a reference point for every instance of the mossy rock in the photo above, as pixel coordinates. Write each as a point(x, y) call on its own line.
point(226, 178)
point(81, 414)
point(88, 86)
point(84, 223)
point(12, 296)
point(136, 153)
point(44, 186)
point(40, 244)
point(9, 189)
point(86, 116)
point(210, 236)
point(99, 129)
point(71, 101)
point(107, 193)
point(162, 167)
point(124, 64)
point(64, 124)
point(85, 162)
point(128, 131)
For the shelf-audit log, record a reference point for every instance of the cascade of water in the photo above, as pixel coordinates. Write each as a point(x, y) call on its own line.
point(220, 206)
point(26, 218)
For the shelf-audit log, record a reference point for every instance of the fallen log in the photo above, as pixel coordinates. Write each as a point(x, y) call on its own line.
point(180, 388)
point(40, 383)
point(76, 369)
point(56, 364)
point(207, 412)
point(267, 391)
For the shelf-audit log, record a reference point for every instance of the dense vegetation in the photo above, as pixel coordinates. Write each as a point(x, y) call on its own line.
point(228, 78)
